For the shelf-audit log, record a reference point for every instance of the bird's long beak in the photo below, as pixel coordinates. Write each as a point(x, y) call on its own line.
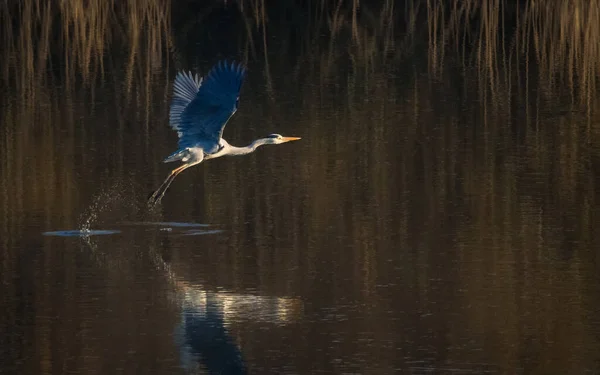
point(287, 139)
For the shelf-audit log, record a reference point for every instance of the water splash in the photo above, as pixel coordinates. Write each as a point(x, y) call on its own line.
point(80, 233)
point(112, 200)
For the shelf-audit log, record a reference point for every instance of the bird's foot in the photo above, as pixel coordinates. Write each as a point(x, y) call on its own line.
point(154, 199)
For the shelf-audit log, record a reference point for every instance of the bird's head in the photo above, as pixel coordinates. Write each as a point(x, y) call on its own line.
point(276, 139)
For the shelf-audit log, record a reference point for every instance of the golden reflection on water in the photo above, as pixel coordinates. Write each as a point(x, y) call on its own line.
point(237, 307)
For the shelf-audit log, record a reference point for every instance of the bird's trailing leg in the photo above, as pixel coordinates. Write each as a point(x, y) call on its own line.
point(162, 189)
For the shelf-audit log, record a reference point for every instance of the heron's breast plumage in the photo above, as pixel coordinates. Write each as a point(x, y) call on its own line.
point(216, 151)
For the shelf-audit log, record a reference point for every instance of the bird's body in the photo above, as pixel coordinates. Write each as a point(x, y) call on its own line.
point(200, 109)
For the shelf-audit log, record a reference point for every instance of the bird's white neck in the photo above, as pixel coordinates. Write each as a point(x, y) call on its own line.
point(233, 150)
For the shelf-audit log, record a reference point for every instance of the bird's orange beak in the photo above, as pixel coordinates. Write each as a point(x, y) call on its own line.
point(287, 139)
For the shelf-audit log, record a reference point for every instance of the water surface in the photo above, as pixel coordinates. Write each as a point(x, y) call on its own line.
point(433, 218)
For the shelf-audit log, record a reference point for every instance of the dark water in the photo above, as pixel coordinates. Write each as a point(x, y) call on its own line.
point(427, 222)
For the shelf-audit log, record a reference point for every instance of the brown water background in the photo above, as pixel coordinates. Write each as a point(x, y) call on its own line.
point(438, 216)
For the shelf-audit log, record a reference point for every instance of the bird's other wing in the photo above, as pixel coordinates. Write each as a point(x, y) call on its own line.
point(185, 89)
point(203, 118)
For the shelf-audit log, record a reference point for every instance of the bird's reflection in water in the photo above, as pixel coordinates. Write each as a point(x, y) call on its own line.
point(203, 338)
point(202, 335)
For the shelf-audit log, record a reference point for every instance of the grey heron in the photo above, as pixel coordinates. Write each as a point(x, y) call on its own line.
point(200, 109)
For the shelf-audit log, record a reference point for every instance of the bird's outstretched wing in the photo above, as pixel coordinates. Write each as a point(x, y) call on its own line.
point(201, 107)
point(185, 89)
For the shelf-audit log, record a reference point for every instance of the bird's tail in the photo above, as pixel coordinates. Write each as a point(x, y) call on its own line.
point(177, 155)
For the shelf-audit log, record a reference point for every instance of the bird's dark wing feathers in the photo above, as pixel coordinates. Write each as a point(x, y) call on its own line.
point(201, 108)
point(185, 89)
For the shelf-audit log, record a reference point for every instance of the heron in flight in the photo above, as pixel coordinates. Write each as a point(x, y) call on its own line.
point(200, 109)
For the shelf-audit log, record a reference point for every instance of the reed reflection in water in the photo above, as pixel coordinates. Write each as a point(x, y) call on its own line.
point(437, 217)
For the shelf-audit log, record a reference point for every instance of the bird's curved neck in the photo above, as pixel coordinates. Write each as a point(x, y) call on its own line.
point(233, 150)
